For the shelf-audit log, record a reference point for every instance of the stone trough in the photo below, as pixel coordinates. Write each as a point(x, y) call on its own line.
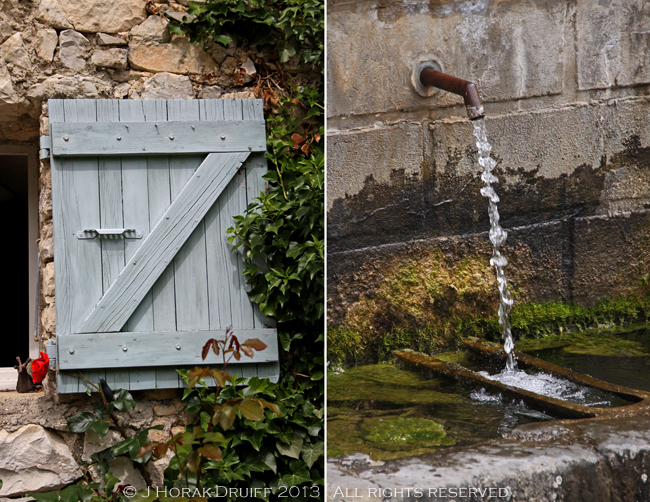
point(639, 400)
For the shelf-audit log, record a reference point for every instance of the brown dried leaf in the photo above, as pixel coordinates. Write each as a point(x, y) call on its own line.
point(255, 344)
point(297, 139)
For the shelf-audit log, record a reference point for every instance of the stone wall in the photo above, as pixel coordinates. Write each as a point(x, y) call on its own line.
point(565, 89)
point(120, 49)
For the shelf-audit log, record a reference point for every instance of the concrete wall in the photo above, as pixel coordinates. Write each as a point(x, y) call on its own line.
point(565, 89)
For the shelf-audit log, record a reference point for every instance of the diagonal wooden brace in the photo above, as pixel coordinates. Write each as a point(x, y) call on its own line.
point(159, 248)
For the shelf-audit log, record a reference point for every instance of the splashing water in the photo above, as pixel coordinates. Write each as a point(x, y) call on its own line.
point(497, 236)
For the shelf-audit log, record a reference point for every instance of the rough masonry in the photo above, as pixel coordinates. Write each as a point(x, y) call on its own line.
point(564, 85)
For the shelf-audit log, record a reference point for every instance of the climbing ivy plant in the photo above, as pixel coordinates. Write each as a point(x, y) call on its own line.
point(281, 234)
point(295, 27)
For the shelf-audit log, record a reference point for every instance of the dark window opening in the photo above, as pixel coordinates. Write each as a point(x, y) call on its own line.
point(14, 256)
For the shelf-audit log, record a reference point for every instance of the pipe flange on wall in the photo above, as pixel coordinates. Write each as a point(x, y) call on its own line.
point(424, 90)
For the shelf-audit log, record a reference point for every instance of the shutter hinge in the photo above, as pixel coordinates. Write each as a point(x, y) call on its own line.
point(50, 350)
point(46, 145)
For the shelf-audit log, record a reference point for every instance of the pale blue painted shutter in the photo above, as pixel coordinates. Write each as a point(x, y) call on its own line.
point(142, 195)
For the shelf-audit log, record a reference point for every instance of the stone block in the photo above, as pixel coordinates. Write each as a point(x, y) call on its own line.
point(33, 459)
point(375, 186)
point(156, 469)
point(168, 86)
point(14, 51)
point(74, 49)
point(153, 29)
point(68, 87)
point(106, 39)
point(239, 95)
point(210, 92)
point(46, 244)
point(45, 43)
point(48, 279)
point(51, 12)
point(509, 53)
point(6, 27)
point(612, 44)
point(7, 94)
point(179, 56)
point(94, 443)
point(93, 16)
point(611, 255)
point(122, 91)
point(249, 67)
point(48, 319)
point(110, 58)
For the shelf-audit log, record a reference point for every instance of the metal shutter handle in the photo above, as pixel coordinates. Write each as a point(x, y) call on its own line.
point(109, 233)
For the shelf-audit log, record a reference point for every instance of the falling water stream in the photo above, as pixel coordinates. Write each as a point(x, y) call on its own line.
point(539, 383)
point(497, 236)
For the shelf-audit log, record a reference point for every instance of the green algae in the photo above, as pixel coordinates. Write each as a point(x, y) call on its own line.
point(396, 432)
point(630, 341)
point(385, 383)
point(371, 410)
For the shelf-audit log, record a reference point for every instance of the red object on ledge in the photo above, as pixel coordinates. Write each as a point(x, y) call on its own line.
point(40, 367)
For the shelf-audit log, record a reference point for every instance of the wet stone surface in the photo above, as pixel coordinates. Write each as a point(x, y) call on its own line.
point(586, 460)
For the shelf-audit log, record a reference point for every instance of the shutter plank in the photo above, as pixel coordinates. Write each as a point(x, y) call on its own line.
point(92, 376)
point(180, 220)
point(167, 378)
point(256, 167)
point(135, 181)
point(111, 216)
point(176, 136)
point(235, 204)
point(218, 249)
point(139, 349)
point(67, 383)
point(110, 202)
point(190, 274)
point(269, 370)
point(136, 211)
point(75, 206)
point(158, 178)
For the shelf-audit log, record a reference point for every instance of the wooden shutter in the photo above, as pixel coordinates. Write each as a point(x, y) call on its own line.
point(142, 195)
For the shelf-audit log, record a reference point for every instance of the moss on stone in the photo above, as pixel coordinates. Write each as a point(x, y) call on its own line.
point(428, 300)
point(395, 433)
point(370, 410)
point(622, 342)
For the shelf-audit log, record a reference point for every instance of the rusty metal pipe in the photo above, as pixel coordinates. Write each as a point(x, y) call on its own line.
point(467, 90)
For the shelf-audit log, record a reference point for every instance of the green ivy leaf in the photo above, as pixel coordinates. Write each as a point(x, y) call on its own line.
point(293, 448)
point(296, 478)
point(312, 452)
